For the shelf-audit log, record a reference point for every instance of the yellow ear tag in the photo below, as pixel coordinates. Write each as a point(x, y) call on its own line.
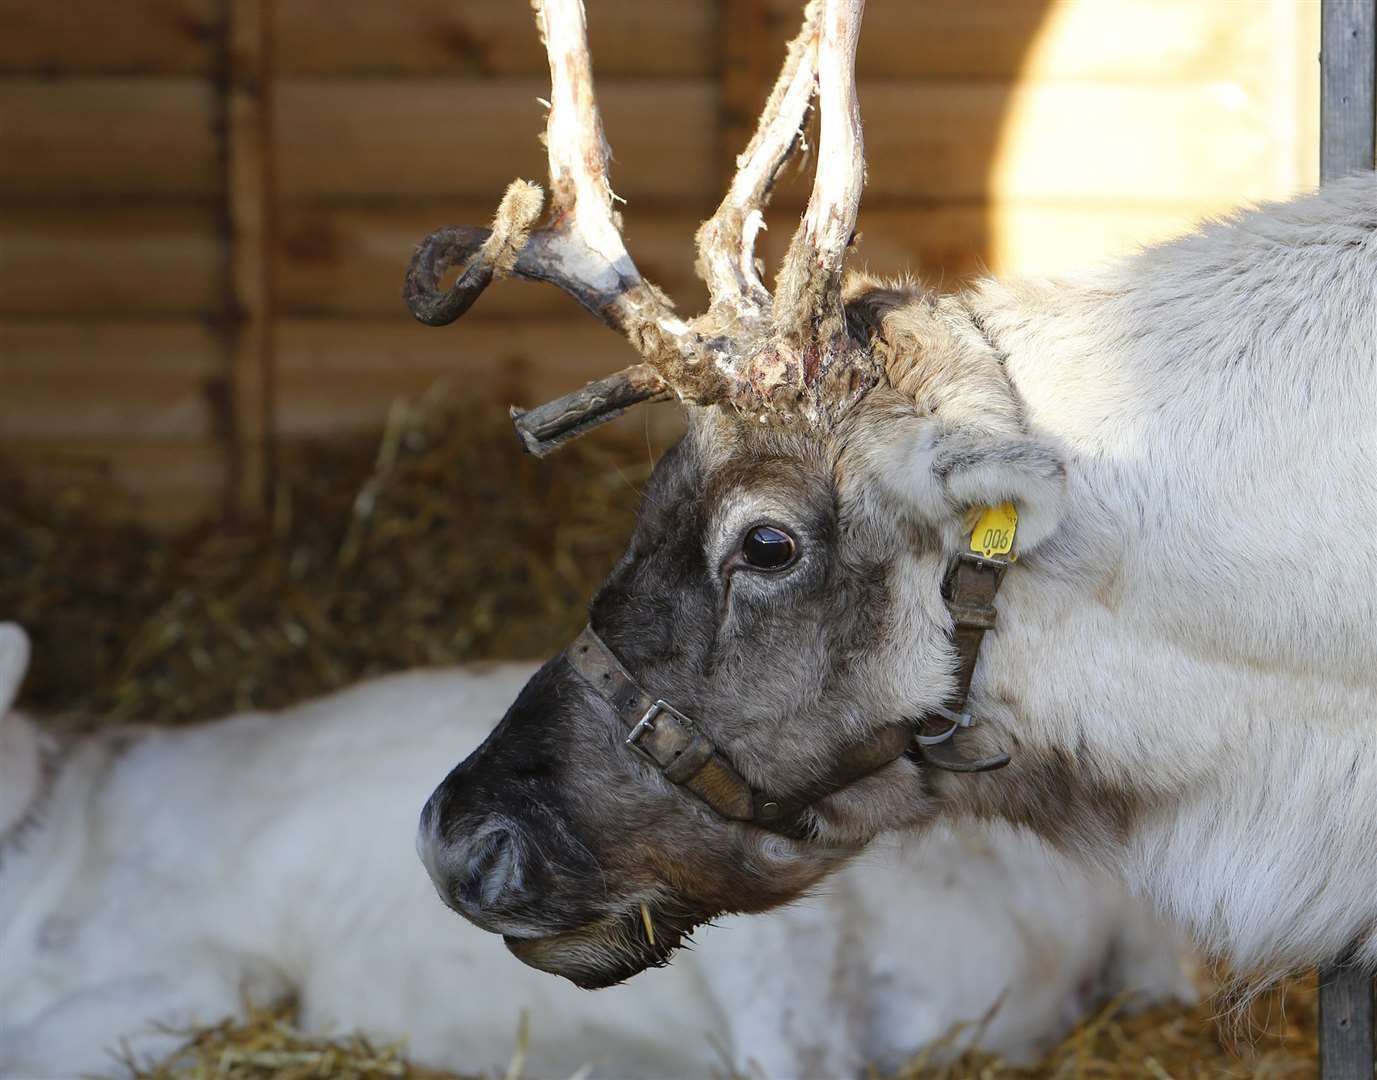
point(994, 531)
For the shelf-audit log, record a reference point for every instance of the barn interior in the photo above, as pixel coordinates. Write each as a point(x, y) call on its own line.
point(235, 474)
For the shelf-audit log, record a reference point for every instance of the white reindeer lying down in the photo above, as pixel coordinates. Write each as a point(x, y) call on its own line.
point(157, 876)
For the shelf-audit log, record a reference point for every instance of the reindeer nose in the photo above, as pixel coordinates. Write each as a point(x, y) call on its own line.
point(480, 875)
point(488, 872)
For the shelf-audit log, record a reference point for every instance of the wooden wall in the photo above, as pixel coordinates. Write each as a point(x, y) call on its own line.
point(206, 205)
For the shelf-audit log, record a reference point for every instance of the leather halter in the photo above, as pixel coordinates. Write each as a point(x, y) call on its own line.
point(969, 588)
point(679, 750)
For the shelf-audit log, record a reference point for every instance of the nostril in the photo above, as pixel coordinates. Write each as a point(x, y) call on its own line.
point(492, 869)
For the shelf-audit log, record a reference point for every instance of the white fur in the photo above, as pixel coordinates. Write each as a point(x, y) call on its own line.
point(174, 870)
point(20, 772)
point(14, 662)
point(1201, 626)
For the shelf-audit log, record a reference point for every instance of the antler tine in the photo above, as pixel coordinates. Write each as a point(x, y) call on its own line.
point(576, 147)
point(583, 240)
point(763, 361)
point(726, 241)
point(808, 318)
point(548, 427)
point(580, 249)
point(484, 253)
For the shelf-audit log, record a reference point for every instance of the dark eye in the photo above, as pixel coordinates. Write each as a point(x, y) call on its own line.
point(768, 548)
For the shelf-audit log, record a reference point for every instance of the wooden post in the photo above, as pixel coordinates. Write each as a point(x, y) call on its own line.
point(1348, 119)
point(250, 198)
point(1345, 1023)
point(1348, 83)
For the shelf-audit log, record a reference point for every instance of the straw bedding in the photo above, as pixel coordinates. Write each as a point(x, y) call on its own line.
point(440, 542)
point(437, 543)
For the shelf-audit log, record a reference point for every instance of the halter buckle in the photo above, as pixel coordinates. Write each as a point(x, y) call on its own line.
point(957, 720)
point(646, 724)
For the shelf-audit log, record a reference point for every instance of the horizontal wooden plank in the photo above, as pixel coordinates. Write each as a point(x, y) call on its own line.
point(348, 260)
point(103, 137)
point(948, 245)
point(1159, 40)
point(85, 261)
point(336, 376)
point(461, 138)
point(112, 347)
point(164, 485)
point(486, 38)
point(72, 393)
point(1137, 143)
point(1134, 144)
point(96, 36)
point(110, 381)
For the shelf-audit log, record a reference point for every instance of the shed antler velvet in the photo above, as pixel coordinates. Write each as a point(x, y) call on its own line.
point(785, 358)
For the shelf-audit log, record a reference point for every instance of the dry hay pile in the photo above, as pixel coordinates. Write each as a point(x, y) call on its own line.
point(266, 1046)
point(1166, 1043)
point(442, 542)
point(439, 543)
point(1273, 1039)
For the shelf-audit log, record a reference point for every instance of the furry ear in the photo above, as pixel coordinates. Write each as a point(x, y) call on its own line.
point(942, 475)
point(14, 662)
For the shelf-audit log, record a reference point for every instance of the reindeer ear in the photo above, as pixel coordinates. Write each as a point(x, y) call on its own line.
point(14, 662)
point(942, 475)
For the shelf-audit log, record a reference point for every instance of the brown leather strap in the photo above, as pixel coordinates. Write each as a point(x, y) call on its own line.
point(684, 755)
point(969, 588)
point(661, 734)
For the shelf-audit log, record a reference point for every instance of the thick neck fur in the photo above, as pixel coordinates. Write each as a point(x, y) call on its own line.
point(1186, 670)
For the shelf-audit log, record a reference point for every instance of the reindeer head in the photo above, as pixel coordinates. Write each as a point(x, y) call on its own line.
point(738, 718)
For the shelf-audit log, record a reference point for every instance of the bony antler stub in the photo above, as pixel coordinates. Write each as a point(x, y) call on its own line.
point(813, 387)
point(784, 359)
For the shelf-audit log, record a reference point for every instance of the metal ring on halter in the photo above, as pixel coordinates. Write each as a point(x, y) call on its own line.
point(958, 720)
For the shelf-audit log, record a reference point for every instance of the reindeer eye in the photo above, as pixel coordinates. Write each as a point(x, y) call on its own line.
point(768, 548)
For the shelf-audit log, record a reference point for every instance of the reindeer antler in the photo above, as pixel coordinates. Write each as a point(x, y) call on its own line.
point(809, 322)
point(726, 241)
point(770, 358)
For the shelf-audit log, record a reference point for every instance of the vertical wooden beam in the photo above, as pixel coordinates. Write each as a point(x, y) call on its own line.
point(1348, 86)
point(1345, 1023)
point(1348, 120)
point(251, 202)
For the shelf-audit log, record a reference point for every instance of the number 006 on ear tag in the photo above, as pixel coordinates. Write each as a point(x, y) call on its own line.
point(994, 531)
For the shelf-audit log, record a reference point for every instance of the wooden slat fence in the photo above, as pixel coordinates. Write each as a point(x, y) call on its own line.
point(206, 205)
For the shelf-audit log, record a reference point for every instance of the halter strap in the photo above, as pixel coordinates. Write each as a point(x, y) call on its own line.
point(969, 588)
point(682, 753)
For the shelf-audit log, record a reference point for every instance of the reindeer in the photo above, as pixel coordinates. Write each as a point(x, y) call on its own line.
point(150, 878)
point(1179, 450)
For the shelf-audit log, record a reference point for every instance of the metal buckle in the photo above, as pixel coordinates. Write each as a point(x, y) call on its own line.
point(997, 566)
point(647, 723)
point(957, 720)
